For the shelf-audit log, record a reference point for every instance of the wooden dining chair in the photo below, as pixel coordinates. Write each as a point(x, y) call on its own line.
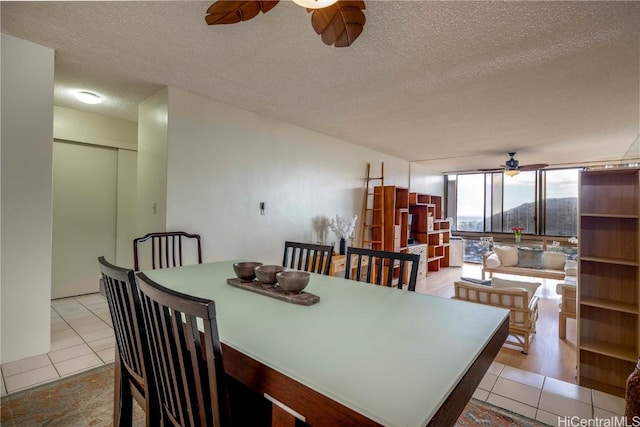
point(133, 374)
point(166, 248)
point(391, 269)
point(187, 363)
point(308, 257)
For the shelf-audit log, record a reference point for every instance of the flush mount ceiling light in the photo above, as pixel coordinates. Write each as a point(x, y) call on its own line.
point(88, 97)
point(315, 4)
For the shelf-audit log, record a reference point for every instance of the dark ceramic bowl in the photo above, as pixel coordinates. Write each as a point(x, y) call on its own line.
point(246, 270)
point(293, 281)
point(267, 273)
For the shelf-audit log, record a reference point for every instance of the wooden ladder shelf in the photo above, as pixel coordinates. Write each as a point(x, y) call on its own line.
point(372, 211)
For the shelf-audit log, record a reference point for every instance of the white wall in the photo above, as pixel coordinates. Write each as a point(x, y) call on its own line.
point(27, 138)
point(425, 181)
point(95, 129)
point(126, 212)
point(152, 164)
point(224, 161)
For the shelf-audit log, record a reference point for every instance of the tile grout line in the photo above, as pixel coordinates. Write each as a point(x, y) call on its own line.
point(61, 316)
point(29, 370)
point(544, 380)
point(49, 357)
point(84, 341)
point(537, 408)
point(4, 384)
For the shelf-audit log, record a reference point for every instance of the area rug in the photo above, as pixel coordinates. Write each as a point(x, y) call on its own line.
point(478, 413)
point(86, 399)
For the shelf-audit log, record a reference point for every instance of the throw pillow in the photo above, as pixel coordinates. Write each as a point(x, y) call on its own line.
point(553, 260)
point(508, 255)
point(529, 258)
point(531, 287)
point(492, 261)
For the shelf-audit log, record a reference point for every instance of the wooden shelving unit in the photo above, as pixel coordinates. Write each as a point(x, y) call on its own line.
point(429, 227)
point(391, 217)
point(609, 278)
point(421, 250)
point(393, 203)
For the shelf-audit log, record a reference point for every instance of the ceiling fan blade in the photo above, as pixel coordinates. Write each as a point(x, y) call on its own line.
point(231, 12)
point(339, 24)
point(533, 167)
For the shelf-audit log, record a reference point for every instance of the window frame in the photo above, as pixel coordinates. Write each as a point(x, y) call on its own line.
point(490, 197)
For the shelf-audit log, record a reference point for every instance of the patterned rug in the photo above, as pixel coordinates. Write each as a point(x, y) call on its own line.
point(479, 413)
point(86, 399)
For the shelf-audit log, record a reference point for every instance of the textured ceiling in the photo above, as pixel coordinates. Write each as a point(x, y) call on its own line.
point(452, 85)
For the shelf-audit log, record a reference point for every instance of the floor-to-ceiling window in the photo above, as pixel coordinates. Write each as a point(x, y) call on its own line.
point(543, 202)
point(470, 202)
point(561, 202)
point(519, 202)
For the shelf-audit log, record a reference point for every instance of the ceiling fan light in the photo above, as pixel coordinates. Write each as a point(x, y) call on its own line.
point(511, 172)
point(315, 4)
point(88, 97)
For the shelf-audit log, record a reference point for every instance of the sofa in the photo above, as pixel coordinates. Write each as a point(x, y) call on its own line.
point(524, 262)
point(518, 297)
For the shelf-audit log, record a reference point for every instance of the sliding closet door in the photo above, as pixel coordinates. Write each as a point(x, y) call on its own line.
point(84, 215)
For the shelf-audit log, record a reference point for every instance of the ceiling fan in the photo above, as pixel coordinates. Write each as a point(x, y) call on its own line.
point(512, 166)
point(339, 23)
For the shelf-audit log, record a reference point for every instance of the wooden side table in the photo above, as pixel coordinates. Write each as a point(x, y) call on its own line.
point(339, 264)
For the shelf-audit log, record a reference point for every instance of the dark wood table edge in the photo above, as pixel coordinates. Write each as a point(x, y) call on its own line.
point(319, 409)
point(453, 406)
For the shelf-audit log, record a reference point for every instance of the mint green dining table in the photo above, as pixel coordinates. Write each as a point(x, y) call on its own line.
point(363, 355)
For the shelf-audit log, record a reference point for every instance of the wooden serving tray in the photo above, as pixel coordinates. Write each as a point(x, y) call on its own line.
point(303, 298)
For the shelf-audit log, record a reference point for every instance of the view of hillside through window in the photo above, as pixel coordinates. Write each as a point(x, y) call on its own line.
point(561, 202)
point(519, 206)
point(518, 202)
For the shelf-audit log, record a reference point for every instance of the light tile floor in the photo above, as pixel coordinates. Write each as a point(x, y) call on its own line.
point(82, 338)
point(547, 400)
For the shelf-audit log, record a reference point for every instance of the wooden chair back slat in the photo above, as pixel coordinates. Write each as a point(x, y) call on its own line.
point(383, 268)
point(307, 257)
point(131, 339)
point(187, 362)
point(166, 248)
